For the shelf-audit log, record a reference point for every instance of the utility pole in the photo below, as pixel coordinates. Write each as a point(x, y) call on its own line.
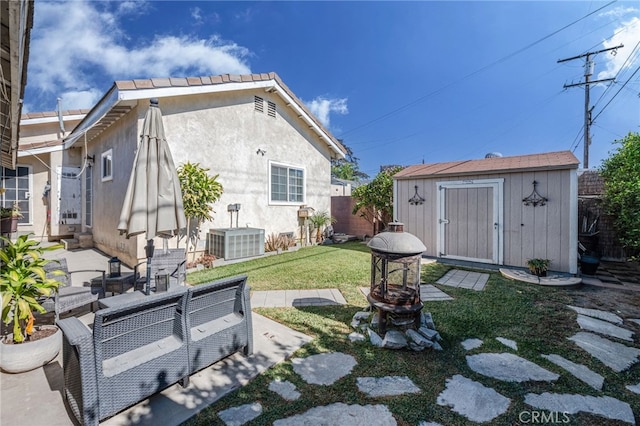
point(588, 72)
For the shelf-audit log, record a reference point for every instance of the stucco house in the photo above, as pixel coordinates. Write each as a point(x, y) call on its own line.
point(271, 154)
point(48, 195)
point(499, 210)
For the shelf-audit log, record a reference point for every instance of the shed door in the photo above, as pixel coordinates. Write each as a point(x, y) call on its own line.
point(470, 220)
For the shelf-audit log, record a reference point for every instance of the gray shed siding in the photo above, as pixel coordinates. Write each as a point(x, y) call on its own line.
point(548, 231)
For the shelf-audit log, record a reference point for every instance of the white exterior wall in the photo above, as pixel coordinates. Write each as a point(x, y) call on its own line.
point(221, 132)
point(43, 162)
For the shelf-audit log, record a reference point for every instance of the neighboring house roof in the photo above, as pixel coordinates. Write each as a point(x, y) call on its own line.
point(123, 96)
point(546, 161)
point(16, 21)
point(32, 118)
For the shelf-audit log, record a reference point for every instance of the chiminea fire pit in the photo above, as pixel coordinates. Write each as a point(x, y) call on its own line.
point(395, 278)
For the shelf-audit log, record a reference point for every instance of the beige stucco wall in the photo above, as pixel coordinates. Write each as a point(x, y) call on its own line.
point(528, 232)
point(223, 133)
point(43, 161)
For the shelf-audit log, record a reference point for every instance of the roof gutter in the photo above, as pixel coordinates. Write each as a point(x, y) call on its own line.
point(108, 101)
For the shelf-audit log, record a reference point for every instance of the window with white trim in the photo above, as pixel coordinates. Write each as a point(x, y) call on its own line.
point(106, 163)
point(15, 186)
point(287, 184)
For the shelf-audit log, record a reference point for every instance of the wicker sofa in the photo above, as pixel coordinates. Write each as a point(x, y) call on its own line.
point(144, 346)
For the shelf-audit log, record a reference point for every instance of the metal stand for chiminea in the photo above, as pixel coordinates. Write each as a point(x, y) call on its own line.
point(395, 278)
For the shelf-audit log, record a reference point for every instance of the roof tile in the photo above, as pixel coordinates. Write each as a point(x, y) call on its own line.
point(143, 84)
point(194, 81)
point(217, 79)
point(179, 82)
point(161, 82)
point(126, 85)
point(206, 80)
point(235, 78)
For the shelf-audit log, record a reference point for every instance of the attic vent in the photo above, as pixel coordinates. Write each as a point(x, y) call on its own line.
point(493, 155)
point(271, 112)
point(259, 103)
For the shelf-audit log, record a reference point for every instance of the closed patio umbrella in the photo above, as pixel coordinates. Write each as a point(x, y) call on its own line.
point(153, 201)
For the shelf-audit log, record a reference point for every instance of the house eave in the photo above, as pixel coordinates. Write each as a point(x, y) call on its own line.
point(117, 102)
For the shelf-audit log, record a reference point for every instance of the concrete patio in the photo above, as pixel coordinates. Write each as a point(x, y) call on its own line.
point(43, 387)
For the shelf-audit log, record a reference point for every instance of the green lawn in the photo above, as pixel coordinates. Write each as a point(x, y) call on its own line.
point(535, 317)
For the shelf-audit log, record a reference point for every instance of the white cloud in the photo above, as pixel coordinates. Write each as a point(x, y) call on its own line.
point(619, 12)
point(628, 34)
point(74, 48)
point(196, 14)
point(322, 107)
point(79, 99)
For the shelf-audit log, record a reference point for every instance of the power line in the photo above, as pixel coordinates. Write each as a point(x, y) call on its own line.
point(588, 72)
point(499, 61)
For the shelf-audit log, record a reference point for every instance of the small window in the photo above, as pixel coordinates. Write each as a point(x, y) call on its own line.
point(107, 165)
point(271, 109)
point(287, 184)
point(258, 104)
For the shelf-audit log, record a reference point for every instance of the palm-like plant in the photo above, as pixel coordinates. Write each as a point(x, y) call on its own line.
point(23, 282)
point(319, 220)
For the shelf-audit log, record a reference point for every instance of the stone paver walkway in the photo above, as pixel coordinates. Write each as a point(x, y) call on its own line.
point(464, 279)
point(471, 399)
point(428, 293)
point(295, 298)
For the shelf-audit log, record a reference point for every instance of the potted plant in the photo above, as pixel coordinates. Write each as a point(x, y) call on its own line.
point(538, 266)
point(9, 218)
point(319, 220)
point(23, 286)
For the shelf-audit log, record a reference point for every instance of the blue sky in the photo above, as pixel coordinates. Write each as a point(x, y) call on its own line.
point(399, 82)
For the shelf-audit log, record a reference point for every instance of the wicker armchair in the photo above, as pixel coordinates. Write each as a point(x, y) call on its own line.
point(135, 350)
point(218, 321)
point(70, 297)
point(174, 263)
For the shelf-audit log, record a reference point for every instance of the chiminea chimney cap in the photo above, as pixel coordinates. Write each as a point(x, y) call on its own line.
point(395, 241)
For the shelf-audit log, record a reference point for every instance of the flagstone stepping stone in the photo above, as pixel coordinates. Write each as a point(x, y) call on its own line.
point(636, 320)
point(386, 386)
point(604, 327)
point(508, 342)
point(580, 371)
point(324, 369)
point(464, 279)
point(604, 406)
point(237, 416)
point(470, 344)
point(473, 400)
point(595, 313)
point(614, 355)
point(341, 414)
point(509, 368)
point(285, 389)
point(634, 388)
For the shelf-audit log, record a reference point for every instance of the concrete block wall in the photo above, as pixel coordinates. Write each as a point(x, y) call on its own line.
point(347, 223)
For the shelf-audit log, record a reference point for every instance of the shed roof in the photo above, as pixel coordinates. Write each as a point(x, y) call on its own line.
point(546, 161)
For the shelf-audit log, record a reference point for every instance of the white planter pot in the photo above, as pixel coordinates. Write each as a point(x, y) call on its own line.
point(27, 356)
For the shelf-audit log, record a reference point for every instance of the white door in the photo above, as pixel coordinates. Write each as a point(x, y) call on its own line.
point(69, 196)
point(470, 220)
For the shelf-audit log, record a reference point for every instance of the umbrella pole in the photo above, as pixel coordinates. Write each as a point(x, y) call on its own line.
point(149, 252)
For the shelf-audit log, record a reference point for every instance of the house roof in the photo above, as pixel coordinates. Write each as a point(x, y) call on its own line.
point(123, 96)
point(16, 20)
point(29, 148)
point(51, 115)
point(546, 161)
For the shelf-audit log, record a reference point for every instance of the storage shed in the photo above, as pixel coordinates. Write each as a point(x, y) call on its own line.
point(496, 210)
